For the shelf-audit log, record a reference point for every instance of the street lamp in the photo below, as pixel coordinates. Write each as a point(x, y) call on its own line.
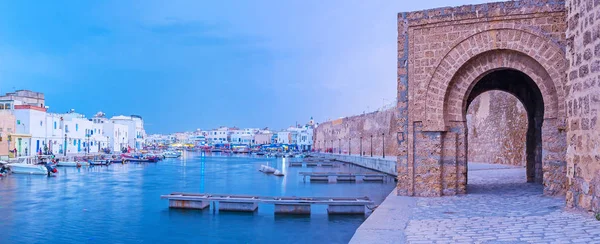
point(361, 151)
point(65, 146)
point(331, 146)
point(383, 141)
point(371, 145)
point(339, 146)
point(349, 146)
point(87, 149)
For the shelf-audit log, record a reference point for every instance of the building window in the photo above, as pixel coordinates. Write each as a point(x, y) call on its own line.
point(41, 123)
point(76, 127)
point(7, 106)
point(1, 106)
point(55, 125)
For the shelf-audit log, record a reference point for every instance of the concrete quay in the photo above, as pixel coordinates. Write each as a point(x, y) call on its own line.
point(385, 165)
point(500, 207)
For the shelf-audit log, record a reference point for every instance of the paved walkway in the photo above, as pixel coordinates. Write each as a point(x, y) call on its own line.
point(499, 208)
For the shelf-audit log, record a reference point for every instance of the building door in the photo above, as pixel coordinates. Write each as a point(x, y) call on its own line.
point(78, 145)
point(19, 145)
point(37, 146)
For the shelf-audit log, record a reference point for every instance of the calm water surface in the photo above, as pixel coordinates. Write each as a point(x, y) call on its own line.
point(121, 204)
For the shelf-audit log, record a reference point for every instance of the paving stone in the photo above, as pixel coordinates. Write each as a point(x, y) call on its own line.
point(507, 211)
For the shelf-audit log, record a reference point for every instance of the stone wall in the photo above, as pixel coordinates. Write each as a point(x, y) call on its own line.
point(583, 104)
point(370, 132)
point(497, 123)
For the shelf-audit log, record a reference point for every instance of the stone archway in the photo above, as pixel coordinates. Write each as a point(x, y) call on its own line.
point(524, 63)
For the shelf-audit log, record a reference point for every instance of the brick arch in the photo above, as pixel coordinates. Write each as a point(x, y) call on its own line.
point(536, 47)
point(455, 101)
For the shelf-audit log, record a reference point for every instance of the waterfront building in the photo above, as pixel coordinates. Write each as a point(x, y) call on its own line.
point(305, 138)
point(77, 132)
point(159, 140)
point(117, 134)
point(218, 136)
point(135, 125)
point(21, 97)
point(30, 124)
point(263, 138)
point(283, 137)
point(243, 136)
point(99, 138)
point(7, 127)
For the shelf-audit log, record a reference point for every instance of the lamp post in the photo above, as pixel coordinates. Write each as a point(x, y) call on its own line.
point(331, 146)
point(65, 146)
point(340, 146)
point(383, 141)
point(9, 139)
point(349, 146)
point(371, 145)
point(87, 148)
point(361, 151)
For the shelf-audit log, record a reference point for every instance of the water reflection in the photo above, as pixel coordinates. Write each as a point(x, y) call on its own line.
point(121, 204)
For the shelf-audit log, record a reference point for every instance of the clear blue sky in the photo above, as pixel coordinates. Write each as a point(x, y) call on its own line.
point(184, 65)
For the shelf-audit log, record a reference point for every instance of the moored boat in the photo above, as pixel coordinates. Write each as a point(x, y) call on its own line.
point(72, 164)
point(172, 154)
point(100, 162)
point(30, 169)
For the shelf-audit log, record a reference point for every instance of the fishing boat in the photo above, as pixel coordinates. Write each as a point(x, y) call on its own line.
point(72, 164)
point(172, 154)
point(100, 162)
point(139, 158)
point(25, 165)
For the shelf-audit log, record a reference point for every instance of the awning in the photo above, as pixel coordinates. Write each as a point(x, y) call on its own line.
point(20, 135)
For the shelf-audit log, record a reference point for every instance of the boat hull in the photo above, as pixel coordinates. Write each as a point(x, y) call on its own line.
point(28, 169)
point(72, 164)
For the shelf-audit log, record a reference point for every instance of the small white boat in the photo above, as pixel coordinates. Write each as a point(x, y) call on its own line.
point(267, 169)
point(30, 169)
point(278, 173)
point(171, 154)
point(100, 162)
point(72, 164)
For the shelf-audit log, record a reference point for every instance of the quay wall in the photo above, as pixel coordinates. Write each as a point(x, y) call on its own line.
point(370, 133)
point(383, 165)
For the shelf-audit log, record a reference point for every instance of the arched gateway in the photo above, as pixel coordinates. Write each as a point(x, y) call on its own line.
point(449, 56)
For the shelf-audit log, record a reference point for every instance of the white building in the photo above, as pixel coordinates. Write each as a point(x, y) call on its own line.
point(158, 139)
point(117, 134)
point(283, 137)
point(305, 139)
point(135, 124)
point(243, 136)
point(69, 133)
point(31, 122)
point(78, 131)
point(217, 136)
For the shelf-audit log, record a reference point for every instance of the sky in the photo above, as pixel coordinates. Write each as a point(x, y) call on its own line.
point(184, 65)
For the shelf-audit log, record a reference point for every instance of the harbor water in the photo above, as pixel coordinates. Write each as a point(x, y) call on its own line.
point(121, 203)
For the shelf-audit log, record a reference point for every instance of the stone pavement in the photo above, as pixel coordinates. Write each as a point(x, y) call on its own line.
point(500, 207)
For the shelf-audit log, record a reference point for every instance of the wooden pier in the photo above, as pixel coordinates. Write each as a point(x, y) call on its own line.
point(333, 177)
point(283, 205)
